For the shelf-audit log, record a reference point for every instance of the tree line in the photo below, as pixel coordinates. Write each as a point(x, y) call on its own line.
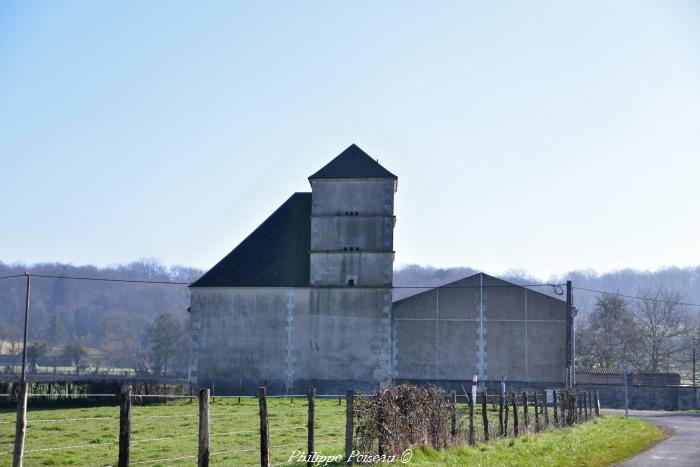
point(91, 325)
point(144, 327)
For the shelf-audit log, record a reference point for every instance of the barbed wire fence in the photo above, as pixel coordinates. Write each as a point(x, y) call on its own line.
point(235, 429)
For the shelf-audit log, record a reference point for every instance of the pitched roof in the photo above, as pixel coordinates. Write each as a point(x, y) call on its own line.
point(276, 254)
point(352, 163)
point(471, 282)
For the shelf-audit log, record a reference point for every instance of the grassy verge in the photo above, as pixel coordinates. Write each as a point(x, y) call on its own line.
point(596, 443)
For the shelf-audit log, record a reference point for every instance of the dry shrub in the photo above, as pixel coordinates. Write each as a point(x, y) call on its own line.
point(567, 400)
point(392, 420)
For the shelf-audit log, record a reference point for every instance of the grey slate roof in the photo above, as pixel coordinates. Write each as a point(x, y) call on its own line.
point(352, 163)
point(276, 254)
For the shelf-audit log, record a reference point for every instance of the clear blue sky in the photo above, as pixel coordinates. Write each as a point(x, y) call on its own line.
point(545, 136)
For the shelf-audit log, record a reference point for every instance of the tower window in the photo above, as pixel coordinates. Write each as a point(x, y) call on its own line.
point(351, 282)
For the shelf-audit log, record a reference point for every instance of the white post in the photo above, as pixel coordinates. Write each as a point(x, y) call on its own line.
point(475, 381)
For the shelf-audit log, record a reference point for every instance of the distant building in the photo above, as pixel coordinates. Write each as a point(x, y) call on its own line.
point(306, 299)
point(634, 377)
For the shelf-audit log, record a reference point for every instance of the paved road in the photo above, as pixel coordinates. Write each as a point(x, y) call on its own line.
point(682, 448)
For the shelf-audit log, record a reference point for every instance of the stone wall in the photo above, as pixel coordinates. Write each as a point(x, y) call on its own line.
point(646, 397)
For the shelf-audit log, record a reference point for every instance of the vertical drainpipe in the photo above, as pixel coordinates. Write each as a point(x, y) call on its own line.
point(481, 328)
point(569, 336)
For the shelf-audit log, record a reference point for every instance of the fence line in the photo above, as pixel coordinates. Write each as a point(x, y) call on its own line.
point(498, 421)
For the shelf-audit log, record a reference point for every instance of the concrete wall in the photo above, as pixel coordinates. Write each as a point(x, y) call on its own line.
point(288, 339)
point(646, 397)
point(364, 268)
point(366, 232)
point(352, 232)
point(439, 336)
point(368, 197)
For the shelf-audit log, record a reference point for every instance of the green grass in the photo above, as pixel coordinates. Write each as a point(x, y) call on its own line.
point(166, 431)
point(169, 430)
point(595, 443)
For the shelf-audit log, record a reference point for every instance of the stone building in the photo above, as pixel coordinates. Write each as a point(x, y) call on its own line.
point(306, 299)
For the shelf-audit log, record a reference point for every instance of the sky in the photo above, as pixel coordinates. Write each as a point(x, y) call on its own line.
point(541, 136)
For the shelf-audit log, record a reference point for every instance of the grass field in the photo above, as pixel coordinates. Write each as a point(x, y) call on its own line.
point(165, 434)
point(89, 436)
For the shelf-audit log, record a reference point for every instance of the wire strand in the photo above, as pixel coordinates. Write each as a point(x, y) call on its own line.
point(603, 292)
point(138, 281)
point(101, 279)
point(10, 277)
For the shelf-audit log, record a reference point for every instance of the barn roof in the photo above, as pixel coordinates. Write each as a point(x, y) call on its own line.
point(276, 254)
point(352, 163)
point(472, 283)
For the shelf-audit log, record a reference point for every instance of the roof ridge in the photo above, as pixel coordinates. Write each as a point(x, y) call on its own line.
point(353, 162)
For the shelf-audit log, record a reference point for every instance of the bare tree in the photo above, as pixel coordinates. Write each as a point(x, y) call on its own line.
point(661, 321)
point(608, 335)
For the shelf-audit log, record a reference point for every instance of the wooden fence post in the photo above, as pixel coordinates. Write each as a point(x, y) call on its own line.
point(537, 413)
point(516, 428)
point(597, 404)
point(484, 415)
point(554, 403)
point(471, 419)
point(545, 406)
point(124, 426)
point(380, 425)
point(589, 404)
point(454, 415)
point(580, 406)
point(349, 398)
point(20, 426)
point(310, 426)
point(505, 421)
point(526, 417)
point(500, 414)
point(264, 428)
point(203, 452)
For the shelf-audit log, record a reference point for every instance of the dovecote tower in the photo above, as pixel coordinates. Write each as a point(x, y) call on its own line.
point(352, 222)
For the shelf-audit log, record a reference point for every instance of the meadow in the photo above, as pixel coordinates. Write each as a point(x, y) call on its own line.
point(164, 433)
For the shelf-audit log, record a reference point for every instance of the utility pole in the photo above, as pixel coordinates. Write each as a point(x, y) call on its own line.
point(21, 421)
point(569, 336)
point(26, 326)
